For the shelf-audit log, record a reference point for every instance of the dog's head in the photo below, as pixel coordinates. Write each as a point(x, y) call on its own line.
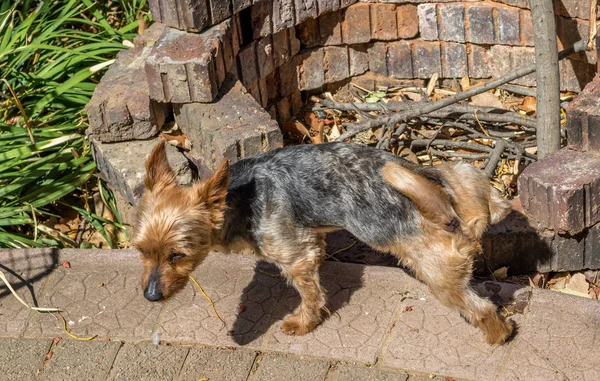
point(176, 224)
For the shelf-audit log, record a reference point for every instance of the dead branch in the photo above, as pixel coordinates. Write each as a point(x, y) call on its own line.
point(495, 157)
point(365, 124)
point(450, 143)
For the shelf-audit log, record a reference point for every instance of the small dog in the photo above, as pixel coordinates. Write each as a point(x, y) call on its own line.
point(282, 203)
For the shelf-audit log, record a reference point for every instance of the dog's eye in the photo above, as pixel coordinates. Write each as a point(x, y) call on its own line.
point(452, 225)
point(175, 257)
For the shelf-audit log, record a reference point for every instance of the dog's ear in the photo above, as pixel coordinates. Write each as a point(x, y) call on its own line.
point(159, 174)
point(430, 200)
point(213, 191)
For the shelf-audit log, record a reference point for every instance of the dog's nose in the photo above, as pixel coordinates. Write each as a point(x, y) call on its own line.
point(151, 292)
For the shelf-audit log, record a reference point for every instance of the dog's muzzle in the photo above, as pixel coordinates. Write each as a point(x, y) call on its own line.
point(152, 291)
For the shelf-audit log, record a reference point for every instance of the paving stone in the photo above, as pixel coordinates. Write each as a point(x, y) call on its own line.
point(305, 9)
point(428, 25)
point(452, 22)
point(183, 66)
point(553, 343)
point(100, 294)
point(454, 60)
point(276, 368)
point(311, 73)
point(114, 161)
point(336, 62)
point(562, 192)
point(76, 360)
point(189, 15)
point(22, 359)
point(217, 364)
point(330, 28)
point(426, 59)
point(121, 108)
point(378, 58)
point(146, 361)
point(27, 271)
point(481, 24)
point(234, 127)
point(400, 59)
point(583, 121)
point(362, 305)
point(508, 26)
point(430, 338)
point(359, 59)
point(344, 372)
point(283, 15)
point(408, 21)
point(383, 22)
point(356, 28)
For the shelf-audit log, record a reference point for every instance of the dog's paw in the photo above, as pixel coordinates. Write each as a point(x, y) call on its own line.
point(498, 331)
point(292, 326)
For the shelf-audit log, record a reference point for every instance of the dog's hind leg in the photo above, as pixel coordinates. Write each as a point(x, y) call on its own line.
point(299, 263)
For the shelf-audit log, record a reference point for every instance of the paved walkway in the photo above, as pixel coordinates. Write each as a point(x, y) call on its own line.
point(384, 326)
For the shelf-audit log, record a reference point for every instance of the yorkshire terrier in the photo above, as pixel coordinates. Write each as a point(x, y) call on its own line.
point(282, 203)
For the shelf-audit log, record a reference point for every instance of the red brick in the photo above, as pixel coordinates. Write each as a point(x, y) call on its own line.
point(400, 59)
point(526, 28)
point(283, 15)
point(506, 59)
point(428, 25)
point(260, 16)
point(281, 48)
point(272, 81)
point(454, 60)
point(359, 59)
point(383, 22)
point(583, 119)
point(347, 3)
point(247, 62)
point(264, 92)
point(284, 110)
point(238, 5)
point(308, 33)
point(562, 192)
point(189, 15)
point(378, 58)
point(426, 59)
point(508, 26)
point(592, 248)
point(264, 56)
point(330, 27)
point(479, 61)
point(575, 74)
point(328, 5)
point(336, 63)
point(481, 24)
point(220, 10)
point(294, 42)
point(311, 71)
point(408, 21)
point(356, 28)
point(305, 9)
point(452, 22)
point(296, 102)
point(288, 78)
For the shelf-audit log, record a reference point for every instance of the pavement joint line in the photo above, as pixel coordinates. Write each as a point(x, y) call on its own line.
point(112, 363)
point(42, 291)
point(255, 365)
point(388, 334)
point(45, 359)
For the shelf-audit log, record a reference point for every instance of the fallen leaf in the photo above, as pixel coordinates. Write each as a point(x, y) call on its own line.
point(578, 283)
point(528, 105)
point(465, 83)
point(49, 355)
point(486, 100)
point(334, 133)
point(500, 274)
point(296, 127)
point(56, 340)
point(66, 264)
point(408, 309)
point(538, 280)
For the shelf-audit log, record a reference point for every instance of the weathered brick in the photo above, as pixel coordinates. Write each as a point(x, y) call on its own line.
point(508, 26)
point(526, 26)
point(330, 27)
point(347, 3)
point(281, 48)
point(378, 58)
point(506, 59)
point(294, 42)
point(260, 16)
point(359, 59)
point(234, 127)
point(356, 28)
point(426, 59)
point(283, 14)
point(288, 78)
point(220, 10)
point(572, 8)
point(121, 108)
point(592, 248)
point(308, 33)
point(264, 92)
point(515, 3)
point(428, 25)
point(328, 5)
point(189, 15)
point(247, 62)
point(383, 22)
point(239, 5)
point(452, 22)
point(569, 31)
point(408, 21)
point(481, 24)
point(454, 60)
point(400, 59)
point(311, 72)
point(583, 119)
point(284, 110)
point(479, 61)
point(264, 56)
point(296, 102)
point(562, 191)
point(254, 91)
point(336, 62)
point(272, 86)
point(574, 74)
point(305, 9)
point(182, 66)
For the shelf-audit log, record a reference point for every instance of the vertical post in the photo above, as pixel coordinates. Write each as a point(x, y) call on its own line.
point(546, 76)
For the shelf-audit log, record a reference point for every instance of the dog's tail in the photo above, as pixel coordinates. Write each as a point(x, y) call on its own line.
point(430, 199)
